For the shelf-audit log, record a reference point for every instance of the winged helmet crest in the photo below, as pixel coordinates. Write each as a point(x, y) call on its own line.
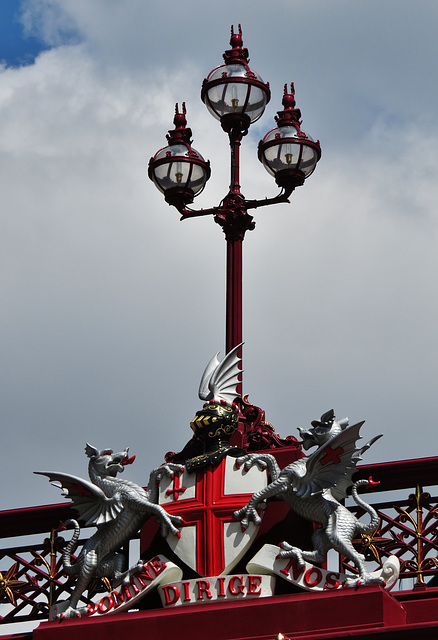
point(221, 377)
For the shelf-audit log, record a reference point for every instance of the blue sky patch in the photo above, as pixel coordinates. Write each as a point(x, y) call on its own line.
point(16, 49)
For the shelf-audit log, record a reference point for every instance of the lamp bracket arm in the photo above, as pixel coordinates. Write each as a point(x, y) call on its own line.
point(192, 213)
point(282, 197)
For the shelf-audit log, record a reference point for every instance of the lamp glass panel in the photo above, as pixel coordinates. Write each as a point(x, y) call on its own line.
point(285, 154)
point(235, 97)
point(197, 179)
point(309, 160)
point(180, 170)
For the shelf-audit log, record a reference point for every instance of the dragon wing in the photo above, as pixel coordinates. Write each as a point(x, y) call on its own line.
point(92, 505)
point(340, 490)
point(330, 463)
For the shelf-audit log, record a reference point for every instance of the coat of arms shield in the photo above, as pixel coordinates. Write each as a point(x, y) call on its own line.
point(212, 541)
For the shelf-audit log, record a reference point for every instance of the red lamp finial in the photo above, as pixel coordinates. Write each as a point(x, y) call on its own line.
point(288, 101)
point(236, 38)
point(289, 113)
point(181, 131)
point(180, 118)
point(238, 53)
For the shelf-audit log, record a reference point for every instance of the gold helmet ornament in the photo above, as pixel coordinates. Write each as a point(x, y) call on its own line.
point(218, 419)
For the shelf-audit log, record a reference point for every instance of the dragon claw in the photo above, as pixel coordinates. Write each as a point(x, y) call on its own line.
point(302, 479)
point(70, 612)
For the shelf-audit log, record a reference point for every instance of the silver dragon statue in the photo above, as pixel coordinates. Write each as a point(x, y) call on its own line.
point(312, 487)
point(118, 508)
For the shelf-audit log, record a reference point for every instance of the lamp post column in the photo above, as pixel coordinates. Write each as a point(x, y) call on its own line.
point(235, 222)
point(236, 96)
point(234, 295)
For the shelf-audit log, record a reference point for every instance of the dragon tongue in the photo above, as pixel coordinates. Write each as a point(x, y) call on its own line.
point(128, 461)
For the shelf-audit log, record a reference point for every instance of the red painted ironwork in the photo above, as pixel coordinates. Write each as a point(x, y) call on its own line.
point(34, 581)
point(408, 527)
point(365, 614)
point(33, 577)
point(255, 433)
point(232, 213)
point(32, 574)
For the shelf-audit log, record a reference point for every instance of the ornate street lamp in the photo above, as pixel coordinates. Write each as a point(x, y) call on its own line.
point(287, 152)
point(236, 96)
point(177, 170)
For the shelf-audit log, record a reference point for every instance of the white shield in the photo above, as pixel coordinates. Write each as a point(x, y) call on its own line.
point(212, 541)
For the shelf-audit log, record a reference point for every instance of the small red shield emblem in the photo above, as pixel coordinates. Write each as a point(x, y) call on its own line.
point(212, 541)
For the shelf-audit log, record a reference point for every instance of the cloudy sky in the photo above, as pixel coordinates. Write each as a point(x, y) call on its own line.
point(111, 307)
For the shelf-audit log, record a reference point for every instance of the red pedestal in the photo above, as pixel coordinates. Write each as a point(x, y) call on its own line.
point(369, 612)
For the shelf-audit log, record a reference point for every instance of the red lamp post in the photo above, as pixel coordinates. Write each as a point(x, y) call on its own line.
point(236, 96)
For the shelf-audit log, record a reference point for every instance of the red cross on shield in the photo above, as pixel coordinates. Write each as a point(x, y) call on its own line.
point(212, 541)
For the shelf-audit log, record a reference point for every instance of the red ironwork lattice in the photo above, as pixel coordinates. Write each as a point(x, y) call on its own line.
point(31, 576)
point(35, 580)
point(408, 529)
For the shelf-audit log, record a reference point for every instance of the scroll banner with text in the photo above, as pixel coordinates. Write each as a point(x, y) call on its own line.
point(313, 578)
point(219, 588)
point(159, 570)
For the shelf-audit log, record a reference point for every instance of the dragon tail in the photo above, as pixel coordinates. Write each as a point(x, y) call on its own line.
point(70, 547)
point(373, 524)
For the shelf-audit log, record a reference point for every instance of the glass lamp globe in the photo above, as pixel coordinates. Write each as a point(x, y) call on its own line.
point(287, 152)
point(233, 93)
point(178, 170)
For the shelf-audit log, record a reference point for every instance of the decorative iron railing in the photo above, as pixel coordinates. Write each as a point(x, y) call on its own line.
point(408, 527)
point(31, 576)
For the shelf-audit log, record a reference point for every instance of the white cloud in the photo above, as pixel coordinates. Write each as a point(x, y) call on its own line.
point(111, 307)
point(50, 21)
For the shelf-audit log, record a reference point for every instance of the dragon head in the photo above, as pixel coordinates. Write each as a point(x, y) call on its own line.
point(322, 430)
point(107, 463)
